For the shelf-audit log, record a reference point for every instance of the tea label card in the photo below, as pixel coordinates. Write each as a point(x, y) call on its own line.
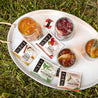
point(50, 45)
point(26, 52)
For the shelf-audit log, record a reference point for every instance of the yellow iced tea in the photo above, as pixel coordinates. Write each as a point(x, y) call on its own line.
point(92, 48)
point(30, 29)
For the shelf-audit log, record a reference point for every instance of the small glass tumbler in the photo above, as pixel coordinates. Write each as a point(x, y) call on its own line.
point(64, 28)
point(66, 57)
point(91, 49)
point(30, 29)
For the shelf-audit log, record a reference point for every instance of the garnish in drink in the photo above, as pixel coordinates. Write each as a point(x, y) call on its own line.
point(66, 57)
point(92, 48)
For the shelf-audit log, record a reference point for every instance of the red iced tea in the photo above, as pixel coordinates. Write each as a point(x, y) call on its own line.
point(64, 27)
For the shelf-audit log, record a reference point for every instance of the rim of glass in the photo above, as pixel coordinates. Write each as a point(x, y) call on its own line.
point(86, 51)
point(30, 34)
point(71, 22)
point(72, 52)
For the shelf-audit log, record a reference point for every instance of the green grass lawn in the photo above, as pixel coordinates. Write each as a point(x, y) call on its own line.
point(13, 82)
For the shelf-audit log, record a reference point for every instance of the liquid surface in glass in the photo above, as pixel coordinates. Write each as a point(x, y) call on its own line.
point(64, 26)
point(27, 26)
point(92, 48)
point(66, 57)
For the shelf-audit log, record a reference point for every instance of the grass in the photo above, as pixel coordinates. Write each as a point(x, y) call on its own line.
point(13, 82)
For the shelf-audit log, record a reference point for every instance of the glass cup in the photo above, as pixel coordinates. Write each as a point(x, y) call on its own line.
point(30, 29)
point(91, 49)
point(64, 28)
point(66, 57)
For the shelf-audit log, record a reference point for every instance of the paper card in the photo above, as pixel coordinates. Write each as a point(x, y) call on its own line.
point(26, 52)
point(45, 69)
point(50, 45)
point(69, 80)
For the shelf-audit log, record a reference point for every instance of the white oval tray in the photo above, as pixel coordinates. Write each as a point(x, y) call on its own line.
point(83, 32)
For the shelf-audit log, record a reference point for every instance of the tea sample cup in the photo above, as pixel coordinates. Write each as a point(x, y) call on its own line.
point(29, 28)
point(66, 57)
point(91, 49)
point(64, 28)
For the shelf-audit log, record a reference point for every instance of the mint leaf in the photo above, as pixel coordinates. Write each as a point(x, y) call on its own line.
point(45, 66)
point(48, 42)
point(48, 80)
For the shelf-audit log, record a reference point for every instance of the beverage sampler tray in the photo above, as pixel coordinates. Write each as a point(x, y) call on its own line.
point(83, 33)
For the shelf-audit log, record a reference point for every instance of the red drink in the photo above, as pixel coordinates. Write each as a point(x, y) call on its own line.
point(64, 28)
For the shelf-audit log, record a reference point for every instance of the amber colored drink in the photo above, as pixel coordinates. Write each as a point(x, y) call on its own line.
point(66, 58)
point(92, 48)
point(30, 29)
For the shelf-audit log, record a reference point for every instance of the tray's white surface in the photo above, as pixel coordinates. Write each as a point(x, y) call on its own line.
point(83, 32)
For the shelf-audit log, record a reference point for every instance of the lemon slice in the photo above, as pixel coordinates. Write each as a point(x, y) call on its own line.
point(64, 56)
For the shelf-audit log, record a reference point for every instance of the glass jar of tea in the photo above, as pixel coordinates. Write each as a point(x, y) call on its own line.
point(30, 29)
point(91, 48)
point(66, 57)
point(64, 28)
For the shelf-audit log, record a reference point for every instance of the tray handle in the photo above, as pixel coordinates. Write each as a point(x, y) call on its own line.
point(9, 24)
point(6, 23)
